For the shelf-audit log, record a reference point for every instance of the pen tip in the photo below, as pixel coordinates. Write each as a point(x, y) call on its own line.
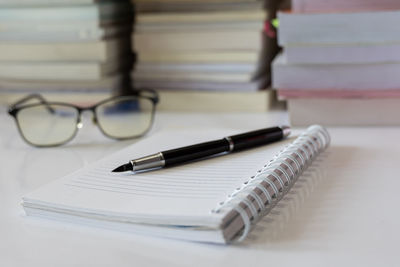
point(123, 168)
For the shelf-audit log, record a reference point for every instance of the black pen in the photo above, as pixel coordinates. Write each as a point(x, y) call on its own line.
point(200, 151)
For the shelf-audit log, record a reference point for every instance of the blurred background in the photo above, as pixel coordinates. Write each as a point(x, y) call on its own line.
point(210, 55)
point(332, 62)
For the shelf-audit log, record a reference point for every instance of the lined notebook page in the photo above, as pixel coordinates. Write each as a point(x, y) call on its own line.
point(183, 195)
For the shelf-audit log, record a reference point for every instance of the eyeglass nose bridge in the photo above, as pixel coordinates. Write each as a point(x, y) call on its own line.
point(79, 123)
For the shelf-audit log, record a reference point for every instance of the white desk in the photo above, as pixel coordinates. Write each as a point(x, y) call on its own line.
point(343, 213)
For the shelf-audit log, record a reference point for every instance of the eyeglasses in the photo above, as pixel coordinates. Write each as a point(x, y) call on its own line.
point(46, 124)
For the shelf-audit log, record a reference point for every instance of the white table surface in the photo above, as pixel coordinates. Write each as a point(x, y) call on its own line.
point(343, 212)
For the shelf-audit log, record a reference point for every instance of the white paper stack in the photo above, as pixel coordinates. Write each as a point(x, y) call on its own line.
point(63, 46)
point(200, 45)
point(342, 5)
point(341, 62)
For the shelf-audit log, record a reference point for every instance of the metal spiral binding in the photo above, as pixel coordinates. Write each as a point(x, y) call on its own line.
point(276, 178)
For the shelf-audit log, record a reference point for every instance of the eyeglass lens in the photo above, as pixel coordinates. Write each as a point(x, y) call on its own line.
point(125, 117)
point(46, 125)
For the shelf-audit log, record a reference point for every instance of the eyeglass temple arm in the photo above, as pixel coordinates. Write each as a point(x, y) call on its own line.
point(29, 97)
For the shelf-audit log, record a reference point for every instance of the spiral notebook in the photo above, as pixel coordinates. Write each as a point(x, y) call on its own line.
point(216, 200)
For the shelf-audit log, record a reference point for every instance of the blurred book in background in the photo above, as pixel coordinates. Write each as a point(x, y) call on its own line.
point(71, 49)
point(341, 62)
point(343, 5)
point(217, 50)
point(201, 55)
point(196, 5)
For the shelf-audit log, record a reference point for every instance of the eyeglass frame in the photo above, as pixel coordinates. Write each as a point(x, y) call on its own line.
point(15, 108)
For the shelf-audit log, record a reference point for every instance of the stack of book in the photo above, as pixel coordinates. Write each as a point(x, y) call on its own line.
point(341, 62)
point(67, 48)
point(342, 5)
point(195, 49)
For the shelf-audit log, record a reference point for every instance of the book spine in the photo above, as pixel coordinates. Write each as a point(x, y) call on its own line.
point(259, 194)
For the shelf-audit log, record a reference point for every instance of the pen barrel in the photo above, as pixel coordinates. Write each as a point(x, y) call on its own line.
point(256, 138)
point(193, 152)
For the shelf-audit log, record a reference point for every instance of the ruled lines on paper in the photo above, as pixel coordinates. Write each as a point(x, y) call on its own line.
point(212, 178)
